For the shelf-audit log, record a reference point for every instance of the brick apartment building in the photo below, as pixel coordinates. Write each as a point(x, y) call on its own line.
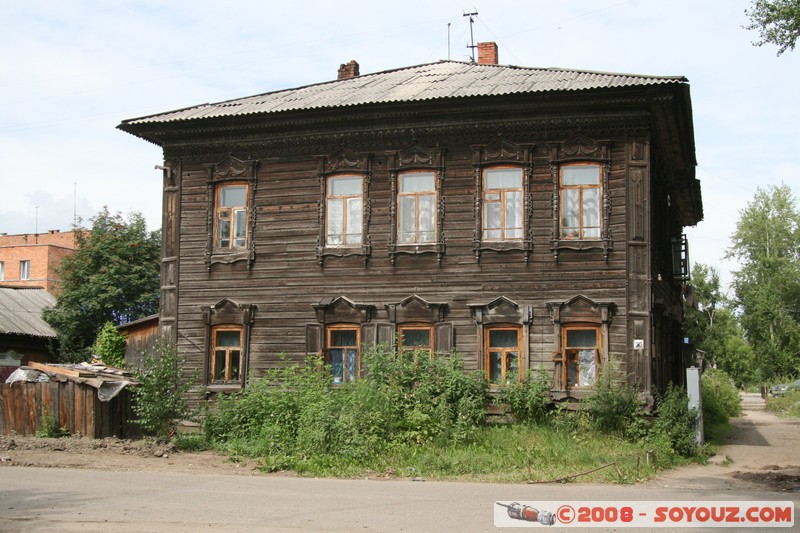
point(30, 260)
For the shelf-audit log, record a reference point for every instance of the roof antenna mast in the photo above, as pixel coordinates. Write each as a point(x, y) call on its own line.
point(471, 44)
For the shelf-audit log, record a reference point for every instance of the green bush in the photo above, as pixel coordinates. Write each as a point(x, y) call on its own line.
point(613, 406)
point(721, 400)
point(295, 414)
point(110, 346)
point(530, 399)
point(159, 401)
point(676, 424)
point(788, 404)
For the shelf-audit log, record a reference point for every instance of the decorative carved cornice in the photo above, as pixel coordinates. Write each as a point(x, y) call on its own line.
point(308, 141)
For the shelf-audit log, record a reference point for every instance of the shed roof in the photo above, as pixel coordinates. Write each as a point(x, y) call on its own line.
point(431, 81)
point(21, 311)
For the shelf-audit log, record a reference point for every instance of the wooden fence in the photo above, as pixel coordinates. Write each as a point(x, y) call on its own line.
point(73, 406)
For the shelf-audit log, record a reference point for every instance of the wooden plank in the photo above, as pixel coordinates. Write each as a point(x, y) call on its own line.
point(61, 371)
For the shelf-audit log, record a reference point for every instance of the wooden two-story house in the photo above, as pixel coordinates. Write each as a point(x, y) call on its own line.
point(524, 217)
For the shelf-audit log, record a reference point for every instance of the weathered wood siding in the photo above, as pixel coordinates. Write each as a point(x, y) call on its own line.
point(285, 278)
point(69, 405)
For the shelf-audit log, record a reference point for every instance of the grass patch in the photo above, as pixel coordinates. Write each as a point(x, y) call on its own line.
point(786, 405)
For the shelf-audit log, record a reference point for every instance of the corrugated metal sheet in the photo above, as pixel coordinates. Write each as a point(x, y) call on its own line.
point(21, 311)
point(445, 79)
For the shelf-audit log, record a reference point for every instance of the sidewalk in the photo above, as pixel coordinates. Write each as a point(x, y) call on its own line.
point(761, 451)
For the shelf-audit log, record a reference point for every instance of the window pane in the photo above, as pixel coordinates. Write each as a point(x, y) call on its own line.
point(580, 175)
point(334, 222)
point(353, 221)
point(416, 182)
point(228, 338)
point(224, 225)
point(586, 368)
point(219, 365)
point(426, 218)
point(344, 337)
point(240, 228)
point(513, 206)
point(591, 210)
point(233, 196)
point(503, 338)
point(235, 357)
point(349, 186)
point(570, 213)
point(417, 338)
point(581, 338)
point(513, 367)
point(502, 178)
point(495, 366)
point(492, 217)
point(407, 211)
point(337, 365)
point(351, 364)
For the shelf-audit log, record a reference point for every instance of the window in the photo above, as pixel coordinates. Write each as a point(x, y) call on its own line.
point(417, 208)
point(344, 211)
point(25, 269)
point(502, 353)
point(226, 354)
point(581, 355)
point(580, 201)
point(502, 204)
point(343, 352)
point(2, 271)
point(231, 217)
point(415, 339)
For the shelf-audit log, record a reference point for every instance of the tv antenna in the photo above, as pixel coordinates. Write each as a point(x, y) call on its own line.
point(471, 44)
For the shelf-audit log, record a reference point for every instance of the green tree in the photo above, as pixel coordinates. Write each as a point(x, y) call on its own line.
point(110, 346)
point(777, 21)
point(113, 276)
point(767, 243)
point(712, 325)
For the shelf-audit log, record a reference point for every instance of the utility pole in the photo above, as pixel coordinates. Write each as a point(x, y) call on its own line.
point(471, 44)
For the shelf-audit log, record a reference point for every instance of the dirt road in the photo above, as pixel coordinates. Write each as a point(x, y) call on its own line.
point(184, 496)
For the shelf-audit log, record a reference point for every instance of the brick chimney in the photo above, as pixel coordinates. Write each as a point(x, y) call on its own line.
point(487, 53)
point(348, 70)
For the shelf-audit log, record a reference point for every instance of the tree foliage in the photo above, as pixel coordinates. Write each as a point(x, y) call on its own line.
point(113, 276)
point(767, 287)
point(713, 327)
point(110, 346)
point(777, 21)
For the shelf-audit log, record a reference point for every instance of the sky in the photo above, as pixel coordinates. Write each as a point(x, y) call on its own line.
point(71, 71)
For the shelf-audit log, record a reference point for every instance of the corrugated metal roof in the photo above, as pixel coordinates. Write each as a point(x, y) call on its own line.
point(445, 79)
point(21, 311)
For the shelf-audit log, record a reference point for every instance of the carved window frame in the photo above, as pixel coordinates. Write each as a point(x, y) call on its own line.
point(497, 154)
point(579, 312)
point(340, 313)
point(344, 162)
point(231, 171)
point(581, 149)
point(414, 312)
point(227, 314)
point(502, 313)
point(416, 158)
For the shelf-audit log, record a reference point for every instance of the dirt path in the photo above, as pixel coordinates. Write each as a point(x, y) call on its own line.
point(762, 450)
